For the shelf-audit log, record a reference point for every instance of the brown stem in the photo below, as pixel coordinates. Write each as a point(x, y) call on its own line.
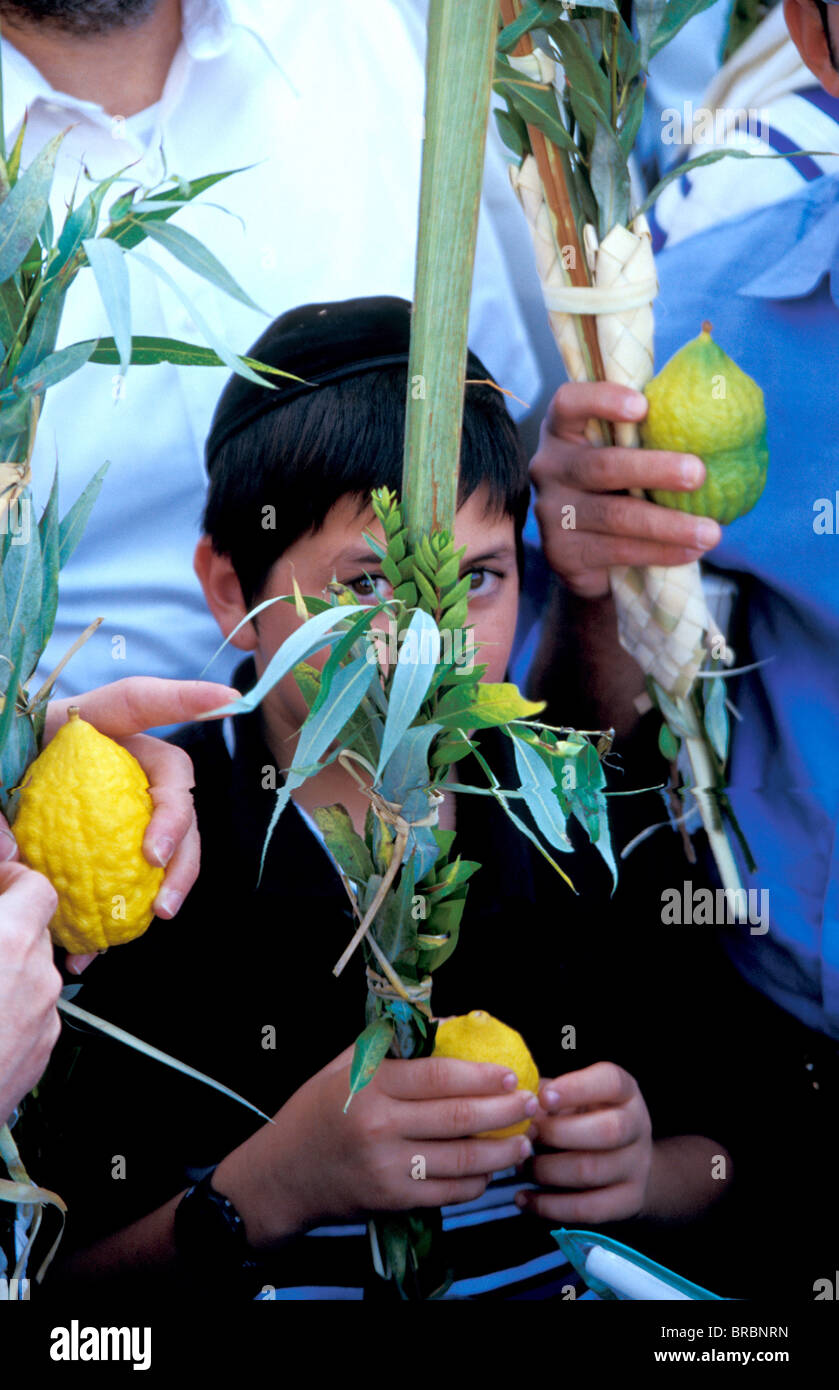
point(559, 201)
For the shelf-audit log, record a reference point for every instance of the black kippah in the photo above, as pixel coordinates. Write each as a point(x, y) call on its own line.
point(320, 343)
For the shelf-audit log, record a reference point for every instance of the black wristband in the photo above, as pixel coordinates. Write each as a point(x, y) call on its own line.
point(210, 1236)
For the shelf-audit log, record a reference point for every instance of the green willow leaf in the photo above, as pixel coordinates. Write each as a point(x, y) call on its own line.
point(9, 705)
point(343, 842)
point(668, 743)
point(196, 257)
point(22, 583)
point(513, 131)
point(341, 649)
point(419, 653)
point(483, 706)
point(131, 233)
point(12, 309)
point(537, 787)
point(43, 330)
point(407, 768)
point(317, 632)
point(444, 921)
point(120, 1035)
point(590, 810)
point(50, 564)
point(320, 730)
point(72, 525)
point(678, 714)
point(609, 177)
point(146, 351)
point(648, 15)
point(632, 120)
point(716, 719)
point(711, 158)
point(532, 16)
point(80, 224)
point(22, 212)
point(676, 14)
point(55, 367)
point(537, 107)
point(371, 1048)
point(582, 71)
point(229, 358)
point(107, 261)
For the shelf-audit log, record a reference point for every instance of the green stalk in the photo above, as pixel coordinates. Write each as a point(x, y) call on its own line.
point(461, 54)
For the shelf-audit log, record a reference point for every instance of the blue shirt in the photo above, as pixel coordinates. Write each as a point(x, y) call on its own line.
point(769, 284)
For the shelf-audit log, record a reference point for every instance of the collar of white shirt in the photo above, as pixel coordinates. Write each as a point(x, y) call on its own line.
point(208, 28)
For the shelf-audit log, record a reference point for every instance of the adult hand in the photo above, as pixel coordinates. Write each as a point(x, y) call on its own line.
point(122, 710)
point(29, 982)
point(407, 1140)
point(598, 1126)
point(609, 529)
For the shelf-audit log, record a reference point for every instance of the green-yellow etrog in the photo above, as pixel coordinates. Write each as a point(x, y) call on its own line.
point(702, 403)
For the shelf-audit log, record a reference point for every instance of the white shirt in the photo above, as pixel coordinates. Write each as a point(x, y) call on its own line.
point(767, 102)
point(325, 100)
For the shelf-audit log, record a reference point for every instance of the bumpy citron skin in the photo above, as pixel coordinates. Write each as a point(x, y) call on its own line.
point(702, 403)
point(81, 817)
point(478, 1037)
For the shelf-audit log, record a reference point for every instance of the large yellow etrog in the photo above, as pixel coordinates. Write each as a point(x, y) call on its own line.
point(82, 813)
point(702, 403)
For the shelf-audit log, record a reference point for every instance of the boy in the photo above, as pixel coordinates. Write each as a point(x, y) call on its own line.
point(245, 991)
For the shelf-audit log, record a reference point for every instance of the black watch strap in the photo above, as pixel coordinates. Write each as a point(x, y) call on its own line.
point(210, 1234)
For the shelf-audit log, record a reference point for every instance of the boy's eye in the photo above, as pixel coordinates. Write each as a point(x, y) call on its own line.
point(370, 586)
point(482, 581)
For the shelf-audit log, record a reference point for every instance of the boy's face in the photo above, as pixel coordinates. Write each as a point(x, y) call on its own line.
point(338, 551)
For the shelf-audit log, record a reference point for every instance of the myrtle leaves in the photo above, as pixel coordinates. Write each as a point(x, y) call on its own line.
point(425, 577)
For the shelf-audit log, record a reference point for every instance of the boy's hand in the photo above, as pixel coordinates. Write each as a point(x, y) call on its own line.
point(122, 710)
point(29, 982)
point(598, 1118)
point(609, 529)
point(317, 1163)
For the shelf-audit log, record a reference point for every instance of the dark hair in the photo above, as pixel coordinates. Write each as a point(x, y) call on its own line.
point(338, 439)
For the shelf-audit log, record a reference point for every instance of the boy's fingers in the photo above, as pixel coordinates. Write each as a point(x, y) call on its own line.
point(472, 1157)
point(440, 1077)
point(135, 703)
point(582, 1208)
point(449, 1192)
point(25, 894)
point(603, 1083)
point(574, 404)
point(8, 844)
point(613, 1127)
point(582, 1171)
point(171, 778)
point(463, 1117)
point(76, 964)
point(181, 873)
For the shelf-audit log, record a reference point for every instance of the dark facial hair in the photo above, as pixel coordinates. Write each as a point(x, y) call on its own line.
point(78, 17)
